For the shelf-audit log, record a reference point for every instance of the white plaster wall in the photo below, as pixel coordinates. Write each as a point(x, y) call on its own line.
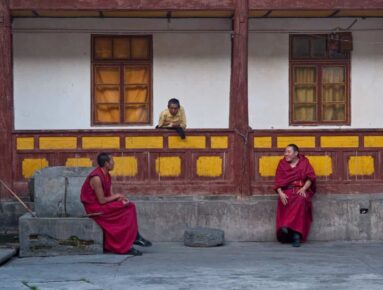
point(269, 70)
point(52, 70)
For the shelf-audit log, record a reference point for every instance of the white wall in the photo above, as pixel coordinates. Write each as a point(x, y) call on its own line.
point(52, 70)
point(269, 70)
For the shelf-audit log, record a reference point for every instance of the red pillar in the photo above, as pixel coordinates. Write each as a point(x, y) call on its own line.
point(6, 93)
point(239, 113)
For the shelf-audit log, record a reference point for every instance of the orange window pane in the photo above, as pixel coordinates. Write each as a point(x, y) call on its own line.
point(107, 113)
point(334, 112)
point(136, 114)
point(107, 75)
point(103, 47)
point(305, 75)
point(136, 94)
point(107, 94)
point(305, 94)
point(333, 93)
point(140, 48)
point(305, 112)
point(121, 48)
point(136, 75)
point(333, 75)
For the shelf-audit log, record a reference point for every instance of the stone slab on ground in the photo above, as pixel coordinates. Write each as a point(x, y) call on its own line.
point(237, 266)
point(6, 253)
point(59, 236)
point(204, 237)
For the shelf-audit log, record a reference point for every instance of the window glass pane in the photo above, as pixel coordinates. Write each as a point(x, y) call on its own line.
point(121, 48)
point(305, 94)
point(136, 113)
point(136, 94)
point(305, 75)
point(318, 46)
point(304, 113)
point(106, 113)
point(140, 47)
point(333, 75)
point(107, 75)
point(301, 47)
point(333, 93)
point(103, 47)
point(107, 94)
point(334, 112)
point(136, 75)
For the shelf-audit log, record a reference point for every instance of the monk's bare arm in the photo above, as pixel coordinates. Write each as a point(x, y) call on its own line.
point(95, 183)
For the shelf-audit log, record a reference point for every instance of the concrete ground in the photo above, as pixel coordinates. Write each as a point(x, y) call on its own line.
point(168, 266)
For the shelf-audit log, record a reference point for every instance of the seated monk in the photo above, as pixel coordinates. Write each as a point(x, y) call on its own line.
point(295, 184)
point(114, 213)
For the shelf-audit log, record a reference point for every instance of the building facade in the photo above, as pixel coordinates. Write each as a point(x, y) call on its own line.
point(253, 76)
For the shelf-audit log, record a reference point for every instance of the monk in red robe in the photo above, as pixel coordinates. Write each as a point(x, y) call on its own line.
point(295, 185)
point(114, 213)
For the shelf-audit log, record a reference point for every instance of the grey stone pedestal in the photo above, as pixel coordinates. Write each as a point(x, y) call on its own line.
point(203, 237)
point(59, 236)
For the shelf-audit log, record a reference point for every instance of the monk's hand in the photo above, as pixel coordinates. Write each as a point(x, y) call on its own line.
point(283, 197)
point(302, 192)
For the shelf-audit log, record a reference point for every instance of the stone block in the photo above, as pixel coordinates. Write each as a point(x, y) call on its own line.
point(59, 236)
point(57, 191)
point(204, 237)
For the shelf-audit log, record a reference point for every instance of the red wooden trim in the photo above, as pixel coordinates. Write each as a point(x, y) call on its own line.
point(112, 5)
point(315, 5)
point(238, 111)
point(6, 93)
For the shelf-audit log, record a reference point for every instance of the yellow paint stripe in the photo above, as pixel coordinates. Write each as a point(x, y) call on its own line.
point(190, 142)
point(78, 162)
point(25, 143)
point(300, 141)
point(46, 143)
point(125, 166)
point(322, 165)
point(101, 142)
point(209, 166)
point(373, 141)
point(339, 141)
point(168, 166)
point(30, 165)
point(361, 165)
point(219, 142)
point(268, 165)
point(145, 142)
point(262, 142)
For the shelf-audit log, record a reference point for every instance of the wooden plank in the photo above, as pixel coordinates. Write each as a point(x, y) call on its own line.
point(6, 97)
point(314, 5)
point(121, 5)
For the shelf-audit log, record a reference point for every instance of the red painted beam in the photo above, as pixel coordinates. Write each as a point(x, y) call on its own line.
point(6, 97)
point(122, 4)
point(315, 5)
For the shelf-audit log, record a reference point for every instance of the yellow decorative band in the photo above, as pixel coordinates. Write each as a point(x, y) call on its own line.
point(262, 142)
point(300, 141)
point(339, 141)
point(144, 142)
point(25, 143)
point(191, 142)
point(101, 142)
point(219, 142)
point(57, 143)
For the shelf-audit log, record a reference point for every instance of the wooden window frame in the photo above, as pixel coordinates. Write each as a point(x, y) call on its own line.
point(122, 63)
point(318, 63)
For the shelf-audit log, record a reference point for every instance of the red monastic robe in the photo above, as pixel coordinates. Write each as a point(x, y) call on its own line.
point(297, 214)
point(118, 221)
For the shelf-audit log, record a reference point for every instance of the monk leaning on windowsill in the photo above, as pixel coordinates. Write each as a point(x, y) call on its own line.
point(173, 118)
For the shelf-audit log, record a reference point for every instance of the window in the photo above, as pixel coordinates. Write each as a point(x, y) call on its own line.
point(121, 80)
point(320, 79)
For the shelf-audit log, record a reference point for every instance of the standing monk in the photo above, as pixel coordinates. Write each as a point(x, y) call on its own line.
point(295, 185)
point(114, 213)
